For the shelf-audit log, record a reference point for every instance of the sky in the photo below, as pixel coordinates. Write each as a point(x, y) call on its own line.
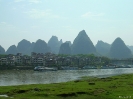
point(41, 19)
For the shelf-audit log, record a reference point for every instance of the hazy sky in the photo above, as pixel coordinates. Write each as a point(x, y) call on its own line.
point(40, 19)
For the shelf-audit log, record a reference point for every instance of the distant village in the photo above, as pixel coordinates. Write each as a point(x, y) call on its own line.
point(25, 60)
point(50, 59)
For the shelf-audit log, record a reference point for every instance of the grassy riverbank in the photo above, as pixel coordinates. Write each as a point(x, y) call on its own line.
point(116, 87)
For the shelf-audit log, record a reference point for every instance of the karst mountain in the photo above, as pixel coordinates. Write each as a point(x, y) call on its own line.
point(82, 44)
point(119, 50)
point(102, 48)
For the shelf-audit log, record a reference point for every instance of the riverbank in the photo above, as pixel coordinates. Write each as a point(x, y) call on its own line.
point(116, 87)
point(17, 67)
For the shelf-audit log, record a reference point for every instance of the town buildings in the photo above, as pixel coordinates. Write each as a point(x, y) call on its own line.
point(25, 60)
point(52, 60)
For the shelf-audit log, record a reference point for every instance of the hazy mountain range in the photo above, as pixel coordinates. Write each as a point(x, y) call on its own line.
point(82, 44)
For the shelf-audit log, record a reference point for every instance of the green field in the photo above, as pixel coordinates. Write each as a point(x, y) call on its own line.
point(116, 87)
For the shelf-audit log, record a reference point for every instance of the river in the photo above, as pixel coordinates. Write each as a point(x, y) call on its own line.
point(21, 77)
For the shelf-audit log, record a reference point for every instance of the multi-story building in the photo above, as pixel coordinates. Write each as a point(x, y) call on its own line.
point(26, 60)
point(18, 59)
point(33, 54)
point(11, 60)
point(3, 61)
point(37, 61)
point(41, 61)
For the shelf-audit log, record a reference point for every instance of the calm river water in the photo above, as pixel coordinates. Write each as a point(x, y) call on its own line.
point(20, 77)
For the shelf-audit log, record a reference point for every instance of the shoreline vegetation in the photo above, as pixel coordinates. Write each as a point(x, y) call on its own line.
point(16, 67)
point(115, 87)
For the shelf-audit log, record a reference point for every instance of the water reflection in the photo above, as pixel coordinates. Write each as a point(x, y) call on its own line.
point(19, 77)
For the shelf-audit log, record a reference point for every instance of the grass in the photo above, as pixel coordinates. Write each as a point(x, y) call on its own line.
point(116, 87)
